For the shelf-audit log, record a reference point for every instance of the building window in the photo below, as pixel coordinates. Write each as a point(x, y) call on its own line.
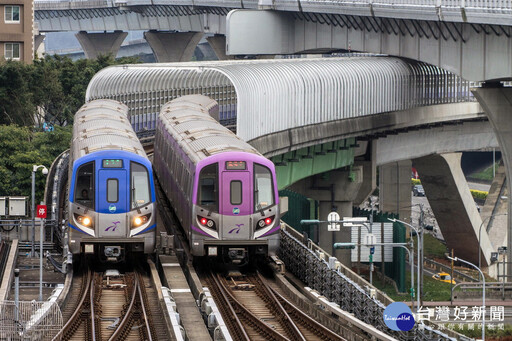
point(12, 14)
point(12, 51)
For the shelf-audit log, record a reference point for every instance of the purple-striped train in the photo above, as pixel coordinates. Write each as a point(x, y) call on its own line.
point(224, 192)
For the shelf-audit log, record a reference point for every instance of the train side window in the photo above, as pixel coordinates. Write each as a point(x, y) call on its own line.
point(263, 187)
point(235, 190)
point(84, 185)
point(140, 193)
point(208, 184)
point(112, 190)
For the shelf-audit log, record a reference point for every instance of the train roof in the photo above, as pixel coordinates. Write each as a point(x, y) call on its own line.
point(103, 125)
point(188, 120)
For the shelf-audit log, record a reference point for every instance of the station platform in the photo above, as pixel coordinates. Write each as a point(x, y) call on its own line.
point(176, 281)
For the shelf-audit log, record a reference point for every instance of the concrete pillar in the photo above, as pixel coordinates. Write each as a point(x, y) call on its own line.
point(368, 162)
point(38, 40)
point(173, 46)
point(96, 44)
point(497, 104)
point(335, 191)
point(218, 44)
point(395, 189)
point(453, 206)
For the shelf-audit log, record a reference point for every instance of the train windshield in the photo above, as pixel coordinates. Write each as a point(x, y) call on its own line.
point(208, 184)
point(263, 187)
point(140, 192)
point(84, 185)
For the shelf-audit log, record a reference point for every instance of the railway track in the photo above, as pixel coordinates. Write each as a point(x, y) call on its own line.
point(254, 311)
point(112, 306)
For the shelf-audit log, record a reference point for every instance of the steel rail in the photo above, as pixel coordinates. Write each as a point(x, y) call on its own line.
point(254, 321)
point(75, 319)
point(296, 313)
point(226, 308)
point(92, 316)
point(121, 330)
point(143, 308)
point(287, 322)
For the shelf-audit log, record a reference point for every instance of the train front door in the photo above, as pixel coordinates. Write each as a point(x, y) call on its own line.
point(236, 205)
point(113, 199)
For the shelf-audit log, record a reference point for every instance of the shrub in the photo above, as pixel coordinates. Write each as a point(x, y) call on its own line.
point(415, 181)
point(482, 195)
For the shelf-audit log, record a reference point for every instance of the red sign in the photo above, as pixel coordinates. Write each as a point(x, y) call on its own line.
point(41, 211)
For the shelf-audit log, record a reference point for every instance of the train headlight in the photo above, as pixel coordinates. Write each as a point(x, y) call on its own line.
point(140, 220)
point(83, 220)
point(206, 222)
point(86, 221)
point(265, 222)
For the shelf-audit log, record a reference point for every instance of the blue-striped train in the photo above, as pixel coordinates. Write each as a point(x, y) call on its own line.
point(224, 192)
point(111, 204)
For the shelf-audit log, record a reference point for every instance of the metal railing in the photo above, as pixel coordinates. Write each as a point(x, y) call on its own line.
point(29, 320)
point(496, 290)
point(314, 267)
point(21, 229)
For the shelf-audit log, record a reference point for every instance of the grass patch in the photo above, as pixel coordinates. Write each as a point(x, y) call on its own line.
point(433, 290)
point(433, 247)
point(486, 174)
point(436, 290)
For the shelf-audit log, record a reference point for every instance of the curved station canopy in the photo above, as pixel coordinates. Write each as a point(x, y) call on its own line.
point(261, 97)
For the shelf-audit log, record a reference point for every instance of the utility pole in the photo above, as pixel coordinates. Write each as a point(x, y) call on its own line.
point(420, 261)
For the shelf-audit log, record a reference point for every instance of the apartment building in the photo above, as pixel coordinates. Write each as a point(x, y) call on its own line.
point(16, 30)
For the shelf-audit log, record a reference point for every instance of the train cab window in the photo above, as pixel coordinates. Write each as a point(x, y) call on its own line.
point(235, 190)
point(84, 185)
point(112, 190)
point(263, 187)
point(140, 193)
point(208, 183)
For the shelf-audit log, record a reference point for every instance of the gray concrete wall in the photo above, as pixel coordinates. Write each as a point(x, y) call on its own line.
point(395, 189)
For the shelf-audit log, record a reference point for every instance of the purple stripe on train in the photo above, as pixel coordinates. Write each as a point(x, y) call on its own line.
point(200, 231)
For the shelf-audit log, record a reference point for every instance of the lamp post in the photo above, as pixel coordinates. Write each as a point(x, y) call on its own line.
point(420, 247)
point(403, 245)
point(34, 170)
point(350, 223)
point(455, 259)
point(480, 234)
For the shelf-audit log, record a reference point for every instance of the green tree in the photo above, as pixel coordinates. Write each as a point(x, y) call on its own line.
point(20, 149)
point(51, 89)
point(16, 100)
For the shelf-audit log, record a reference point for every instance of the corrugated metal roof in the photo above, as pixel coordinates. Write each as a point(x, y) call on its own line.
point(276, 95)
point(103, 125)
point(209, 138)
